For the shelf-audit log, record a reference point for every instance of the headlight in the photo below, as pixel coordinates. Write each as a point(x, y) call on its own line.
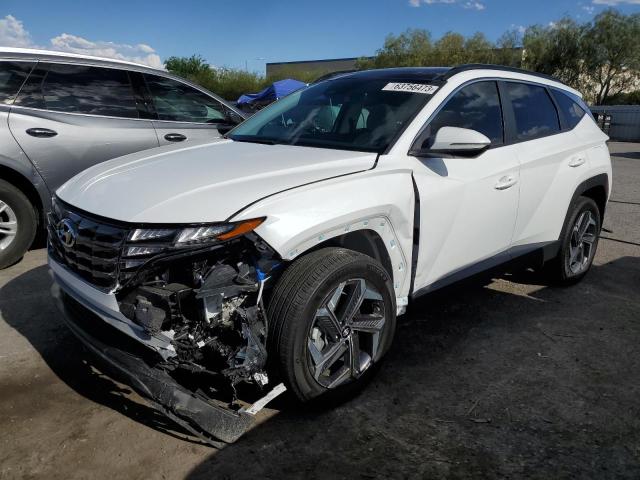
point(199, 234)
point(139, 251)
point(189, 235)
point(143, 234)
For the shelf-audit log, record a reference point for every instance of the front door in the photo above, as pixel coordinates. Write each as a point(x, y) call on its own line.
point(468, 206)
point(186, 114)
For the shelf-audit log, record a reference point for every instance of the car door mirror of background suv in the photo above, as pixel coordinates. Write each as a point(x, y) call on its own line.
point(453, 141)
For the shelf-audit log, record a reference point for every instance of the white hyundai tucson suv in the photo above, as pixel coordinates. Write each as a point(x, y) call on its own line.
point(280, 257)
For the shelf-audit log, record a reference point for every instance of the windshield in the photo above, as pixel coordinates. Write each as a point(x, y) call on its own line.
point(348, 113)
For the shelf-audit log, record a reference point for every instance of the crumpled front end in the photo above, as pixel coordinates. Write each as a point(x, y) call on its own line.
point(184, 326)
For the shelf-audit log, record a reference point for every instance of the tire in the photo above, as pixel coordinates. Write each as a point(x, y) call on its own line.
point(302, 329)
point(16, 209)
point(566, 269)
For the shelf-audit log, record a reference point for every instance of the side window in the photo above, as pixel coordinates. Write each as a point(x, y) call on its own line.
point(178, 102)
point(80, 89)
point(534, 112)
point(571, 111)
point(12, 76)
point(476, 106)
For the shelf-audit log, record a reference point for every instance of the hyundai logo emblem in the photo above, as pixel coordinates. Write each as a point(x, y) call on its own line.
point(66, 232)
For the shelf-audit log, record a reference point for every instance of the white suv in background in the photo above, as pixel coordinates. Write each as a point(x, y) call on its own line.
point(287, 251)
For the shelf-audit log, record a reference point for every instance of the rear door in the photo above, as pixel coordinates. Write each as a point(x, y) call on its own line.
point(12, 75)
point(69, 117)
point(551, 162)
point(185, 113)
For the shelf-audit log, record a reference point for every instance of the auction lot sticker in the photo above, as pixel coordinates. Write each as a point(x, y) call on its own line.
point(411, 87)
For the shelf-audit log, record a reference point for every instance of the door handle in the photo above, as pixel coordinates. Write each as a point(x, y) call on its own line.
point(506, 182)
point(576, 161)
point(41, 132)
point(175, 137)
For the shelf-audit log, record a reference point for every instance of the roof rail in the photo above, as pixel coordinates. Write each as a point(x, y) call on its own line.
point(17, 51)
point(487, 66)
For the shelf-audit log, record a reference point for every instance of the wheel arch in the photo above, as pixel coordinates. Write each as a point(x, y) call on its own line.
point(23, 184)
point(366, 241)
point(373, 236)
point(595, 188)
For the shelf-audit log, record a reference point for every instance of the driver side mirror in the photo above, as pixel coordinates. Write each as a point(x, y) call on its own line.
point(453, 141)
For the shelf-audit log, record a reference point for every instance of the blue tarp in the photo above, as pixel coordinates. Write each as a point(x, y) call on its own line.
point(273, 92)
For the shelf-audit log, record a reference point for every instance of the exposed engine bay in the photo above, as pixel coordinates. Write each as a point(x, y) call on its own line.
point(210, 304)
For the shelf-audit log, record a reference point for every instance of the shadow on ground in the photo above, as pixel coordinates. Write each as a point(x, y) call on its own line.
point(66, 357)
point(538, 382)
point(632, 155)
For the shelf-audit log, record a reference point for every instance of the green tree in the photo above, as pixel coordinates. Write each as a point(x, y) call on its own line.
point(600, 58)
point(229, 83)
point(630, 98)
point(611, 53)
point(508, 49)
point(415, 48)
point(449, 50)
point(409, 49)
point(556, 50)
point(187, 66)
point(478, 49)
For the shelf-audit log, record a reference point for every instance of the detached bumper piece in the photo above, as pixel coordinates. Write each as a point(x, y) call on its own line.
point(134, 367)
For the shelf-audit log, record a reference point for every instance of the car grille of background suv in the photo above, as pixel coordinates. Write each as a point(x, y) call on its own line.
point(95, 250)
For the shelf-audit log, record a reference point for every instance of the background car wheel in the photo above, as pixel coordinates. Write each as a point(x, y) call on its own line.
point(578, 243)
point(332, 318)
point(18, 224)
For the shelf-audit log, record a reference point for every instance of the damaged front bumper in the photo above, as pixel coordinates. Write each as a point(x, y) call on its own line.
point(105, 306)
point(132, 355)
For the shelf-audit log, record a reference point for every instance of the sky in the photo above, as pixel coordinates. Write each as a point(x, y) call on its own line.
point(249, 33)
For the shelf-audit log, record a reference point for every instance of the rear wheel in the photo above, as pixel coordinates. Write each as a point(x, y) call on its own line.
point(578, 243)
point(332, 318)
point(18, 223)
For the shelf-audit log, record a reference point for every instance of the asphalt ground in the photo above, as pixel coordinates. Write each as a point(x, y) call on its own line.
point(506, 377)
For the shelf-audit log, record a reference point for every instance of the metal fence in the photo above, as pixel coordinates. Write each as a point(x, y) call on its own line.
point(620, 122)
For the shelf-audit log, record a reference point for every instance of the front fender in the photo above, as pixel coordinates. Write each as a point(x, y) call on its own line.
point(300, 219)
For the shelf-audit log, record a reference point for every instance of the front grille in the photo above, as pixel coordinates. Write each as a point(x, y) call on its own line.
point(95, 250)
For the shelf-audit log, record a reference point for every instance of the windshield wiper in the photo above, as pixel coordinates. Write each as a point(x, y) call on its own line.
point(263, 141)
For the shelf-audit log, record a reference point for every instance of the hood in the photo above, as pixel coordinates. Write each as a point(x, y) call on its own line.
point(202, 183)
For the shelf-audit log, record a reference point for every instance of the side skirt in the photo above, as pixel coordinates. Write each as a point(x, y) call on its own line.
point(523, 255)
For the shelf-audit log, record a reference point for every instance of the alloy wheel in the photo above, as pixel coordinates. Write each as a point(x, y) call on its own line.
point(345, 335)
point(8, 225)
point(581, 244)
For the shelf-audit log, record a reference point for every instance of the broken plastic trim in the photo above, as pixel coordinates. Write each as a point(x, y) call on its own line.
point(204, 419)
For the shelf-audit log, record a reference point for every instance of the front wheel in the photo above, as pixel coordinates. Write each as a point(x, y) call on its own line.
point(332, 318)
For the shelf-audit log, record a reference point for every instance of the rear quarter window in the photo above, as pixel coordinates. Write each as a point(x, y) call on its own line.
point(571, 111)
point(12, 76)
